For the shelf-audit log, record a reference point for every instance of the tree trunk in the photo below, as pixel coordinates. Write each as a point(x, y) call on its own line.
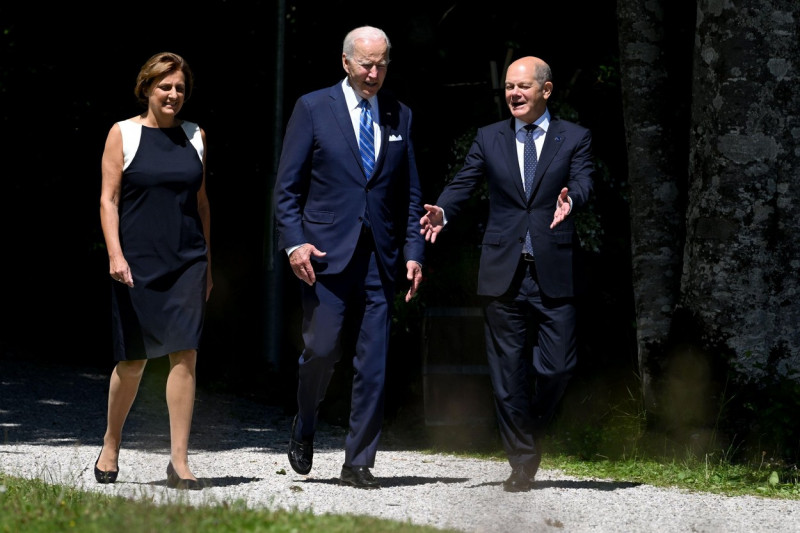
point(655, 114)
point(740, 272)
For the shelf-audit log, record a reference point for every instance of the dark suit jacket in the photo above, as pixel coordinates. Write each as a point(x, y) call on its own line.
point(322, 194)
point(565, 161)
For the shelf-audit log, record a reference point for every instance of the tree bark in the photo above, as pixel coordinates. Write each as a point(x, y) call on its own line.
point(742, 257)
point(657, 161)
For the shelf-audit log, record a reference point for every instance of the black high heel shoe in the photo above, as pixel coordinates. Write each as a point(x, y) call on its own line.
point(103, 476)
point(176, 482)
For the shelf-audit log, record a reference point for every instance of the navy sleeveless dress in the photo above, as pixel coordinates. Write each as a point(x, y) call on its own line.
point(162, 240)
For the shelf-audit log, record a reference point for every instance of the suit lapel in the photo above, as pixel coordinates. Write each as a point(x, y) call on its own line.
point(553, 141)
point(508, 141)
point(387, 119)
point(342, 115)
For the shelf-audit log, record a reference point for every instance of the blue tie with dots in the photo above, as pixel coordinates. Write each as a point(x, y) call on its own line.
point(529, 166)
point(366, 141)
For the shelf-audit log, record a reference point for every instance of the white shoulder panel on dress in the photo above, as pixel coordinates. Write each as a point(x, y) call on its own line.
point(192, 131)
point(131, 134)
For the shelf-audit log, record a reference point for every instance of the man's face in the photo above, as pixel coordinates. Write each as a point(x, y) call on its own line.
point(366, 69)
point(526, 98)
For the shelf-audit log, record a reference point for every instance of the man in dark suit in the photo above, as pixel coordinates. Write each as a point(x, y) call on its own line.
point(529, 273)
point(347, 207)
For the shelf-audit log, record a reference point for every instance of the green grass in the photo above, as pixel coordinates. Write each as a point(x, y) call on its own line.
point(710, 472)
point(714, 476)
point(32, 506)
point(613, 443)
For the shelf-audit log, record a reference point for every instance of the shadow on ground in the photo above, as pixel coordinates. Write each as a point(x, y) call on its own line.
point(45, 402)
point(51, 403)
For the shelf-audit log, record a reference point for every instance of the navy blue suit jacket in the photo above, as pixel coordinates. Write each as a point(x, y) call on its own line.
point(565, 161)
point(322, 194)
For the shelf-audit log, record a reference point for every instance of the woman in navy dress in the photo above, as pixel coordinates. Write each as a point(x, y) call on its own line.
point(155, 218)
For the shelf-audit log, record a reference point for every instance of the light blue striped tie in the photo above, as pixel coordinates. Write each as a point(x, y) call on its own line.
point(366, 141)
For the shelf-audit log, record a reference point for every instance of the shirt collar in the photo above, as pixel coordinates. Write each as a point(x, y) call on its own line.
point(543, 122)
point(352, 99)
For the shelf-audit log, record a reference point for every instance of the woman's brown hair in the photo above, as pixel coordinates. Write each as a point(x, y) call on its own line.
point(156, 67)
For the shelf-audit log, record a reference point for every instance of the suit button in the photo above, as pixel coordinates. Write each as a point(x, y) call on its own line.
point(520, 240)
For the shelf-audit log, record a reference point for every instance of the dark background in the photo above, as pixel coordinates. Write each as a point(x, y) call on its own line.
point(68, 74)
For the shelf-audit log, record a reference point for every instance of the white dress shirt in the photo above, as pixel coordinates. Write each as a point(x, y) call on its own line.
point(353, 104)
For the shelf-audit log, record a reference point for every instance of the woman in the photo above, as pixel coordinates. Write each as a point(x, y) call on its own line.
point(156, 223)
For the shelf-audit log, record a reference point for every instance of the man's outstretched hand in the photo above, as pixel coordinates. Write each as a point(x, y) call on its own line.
point(563, 207)
point(432, 222)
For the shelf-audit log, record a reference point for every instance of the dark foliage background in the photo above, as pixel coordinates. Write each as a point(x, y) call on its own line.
point(66, 77)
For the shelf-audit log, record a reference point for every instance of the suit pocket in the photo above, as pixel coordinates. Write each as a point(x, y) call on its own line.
point(563, 238)
point(318, 217)
point(492, 239)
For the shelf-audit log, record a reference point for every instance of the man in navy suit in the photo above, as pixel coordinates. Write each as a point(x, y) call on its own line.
point(347, 206)
point(529, 270)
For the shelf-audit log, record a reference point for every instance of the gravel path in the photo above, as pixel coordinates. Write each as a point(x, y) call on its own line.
point(53, 419)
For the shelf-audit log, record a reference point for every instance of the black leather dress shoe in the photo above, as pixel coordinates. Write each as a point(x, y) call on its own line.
point(534, 467)
point(358, 476)
point(301, 452)
point(537, 458)
point(520, 480)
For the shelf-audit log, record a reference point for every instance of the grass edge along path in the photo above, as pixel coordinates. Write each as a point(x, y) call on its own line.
point(33, 506)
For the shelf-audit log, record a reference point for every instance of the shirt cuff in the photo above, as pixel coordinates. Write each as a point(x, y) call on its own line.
point(570, 204)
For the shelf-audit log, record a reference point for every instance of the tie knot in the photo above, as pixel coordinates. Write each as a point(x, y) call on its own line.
point(365, 103)
point(530, 127)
